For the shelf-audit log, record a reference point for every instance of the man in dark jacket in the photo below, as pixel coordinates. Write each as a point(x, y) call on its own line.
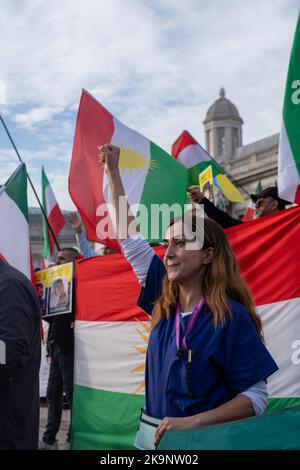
point(61, 375)
point(19, 361)
point(267, 202)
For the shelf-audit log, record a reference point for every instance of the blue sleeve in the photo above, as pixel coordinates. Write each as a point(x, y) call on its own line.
point(85, 247)
point(152, 290)
point(247, 359)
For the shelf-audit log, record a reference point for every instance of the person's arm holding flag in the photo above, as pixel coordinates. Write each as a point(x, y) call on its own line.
point(82, 242)
point(213, 212)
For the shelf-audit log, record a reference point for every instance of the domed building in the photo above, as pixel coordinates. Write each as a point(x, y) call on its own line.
point(223, 128)
point(246, 164)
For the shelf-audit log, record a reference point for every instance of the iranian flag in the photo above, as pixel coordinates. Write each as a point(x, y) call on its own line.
point(150, 176)
point(249, 213)
point(14, 234)
point(195, 159)
point(55, 218)
point(289, 144)
point(111, 332)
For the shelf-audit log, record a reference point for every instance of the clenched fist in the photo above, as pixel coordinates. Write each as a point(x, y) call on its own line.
point(109, 155)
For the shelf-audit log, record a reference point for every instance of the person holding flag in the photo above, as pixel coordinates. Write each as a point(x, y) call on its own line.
point(206, 361)
point(266, 202)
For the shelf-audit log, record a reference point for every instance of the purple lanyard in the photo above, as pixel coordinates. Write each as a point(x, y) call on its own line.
point(193, 317)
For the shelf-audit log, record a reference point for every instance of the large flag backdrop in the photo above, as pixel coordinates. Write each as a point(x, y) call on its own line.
point(14, 233)
point(111, 332)
point(289, 144)
point(111, 336)
point(148, 173)
point(195, 159)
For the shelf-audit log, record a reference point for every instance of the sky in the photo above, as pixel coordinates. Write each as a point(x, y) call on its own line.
point(157, 65)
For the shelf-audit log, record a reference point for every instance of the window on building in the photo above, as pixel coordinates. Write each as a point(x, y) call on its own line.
point(221, 141)
point(234, 139)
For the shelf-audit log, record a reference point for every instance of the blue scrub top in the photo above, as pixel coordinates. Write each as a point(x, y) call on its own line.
point(226, 360)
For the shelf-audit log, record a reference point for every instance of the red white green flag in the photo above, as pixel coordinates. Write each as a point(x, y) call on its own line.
point(150, 176)
point(55, 218)
point(14, 233)
point(195, 159)
point(289, 144)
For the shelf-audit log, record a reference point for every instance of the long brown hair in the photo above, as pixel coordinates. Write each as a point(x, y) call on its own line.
point(220, 283)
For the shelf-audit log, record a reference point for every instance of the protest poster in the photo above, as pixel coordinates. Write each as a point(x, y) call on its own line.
point(54, 289)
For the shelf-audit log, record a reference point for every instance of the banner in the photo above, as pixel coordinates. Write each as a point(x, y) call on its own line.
point(111, 332)
point(206, 183)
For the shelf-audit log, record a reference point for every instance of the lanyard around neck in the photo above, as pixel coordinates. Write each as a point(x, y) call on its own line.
point(190, 325)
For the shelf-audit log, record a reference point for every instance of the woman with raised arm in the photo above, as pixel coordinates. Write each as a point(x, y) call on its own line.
point(206, 360)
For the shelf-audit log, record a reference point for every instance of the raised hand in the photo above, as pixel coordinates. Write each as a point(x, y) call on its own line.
point(76, 222)
point(109, 155)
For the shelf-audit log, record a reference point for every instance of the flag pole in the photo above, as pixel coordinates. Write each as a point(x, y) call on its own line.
point(31, 184)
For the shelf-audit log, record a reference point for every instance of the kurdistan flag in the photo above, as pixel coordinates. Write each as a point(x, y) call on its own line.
point(289, 143)
point(14, 234)
point(55, 218)
point(149, 175)
point(111, 336)
point(111, 333)
point(195, 159)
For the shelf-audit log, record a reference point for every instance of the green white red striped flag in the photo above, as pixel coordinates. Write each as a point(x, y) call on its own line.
point(195, 159)
point(289, 144)
point(150, 176)
point(111, 332)
point(111, 338)
point(55, 218)
point(14, 233)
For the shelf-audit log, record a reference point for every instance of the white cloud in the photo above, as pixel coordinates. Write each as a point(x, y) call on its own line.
point(59, 184)
point(37, 115)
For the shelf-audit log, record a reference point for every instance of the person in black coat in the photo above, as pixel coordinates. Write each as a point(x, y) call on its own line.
point(20, 355)
point(267, 202)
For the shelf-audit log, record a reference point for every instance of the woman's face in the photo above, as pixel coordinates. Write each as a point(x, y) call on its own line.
point(184, 264)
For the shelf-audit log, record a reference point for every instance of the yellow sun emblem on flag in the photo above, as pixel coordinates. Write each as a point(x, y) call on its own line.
point(133, 160)
point(144, 334)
